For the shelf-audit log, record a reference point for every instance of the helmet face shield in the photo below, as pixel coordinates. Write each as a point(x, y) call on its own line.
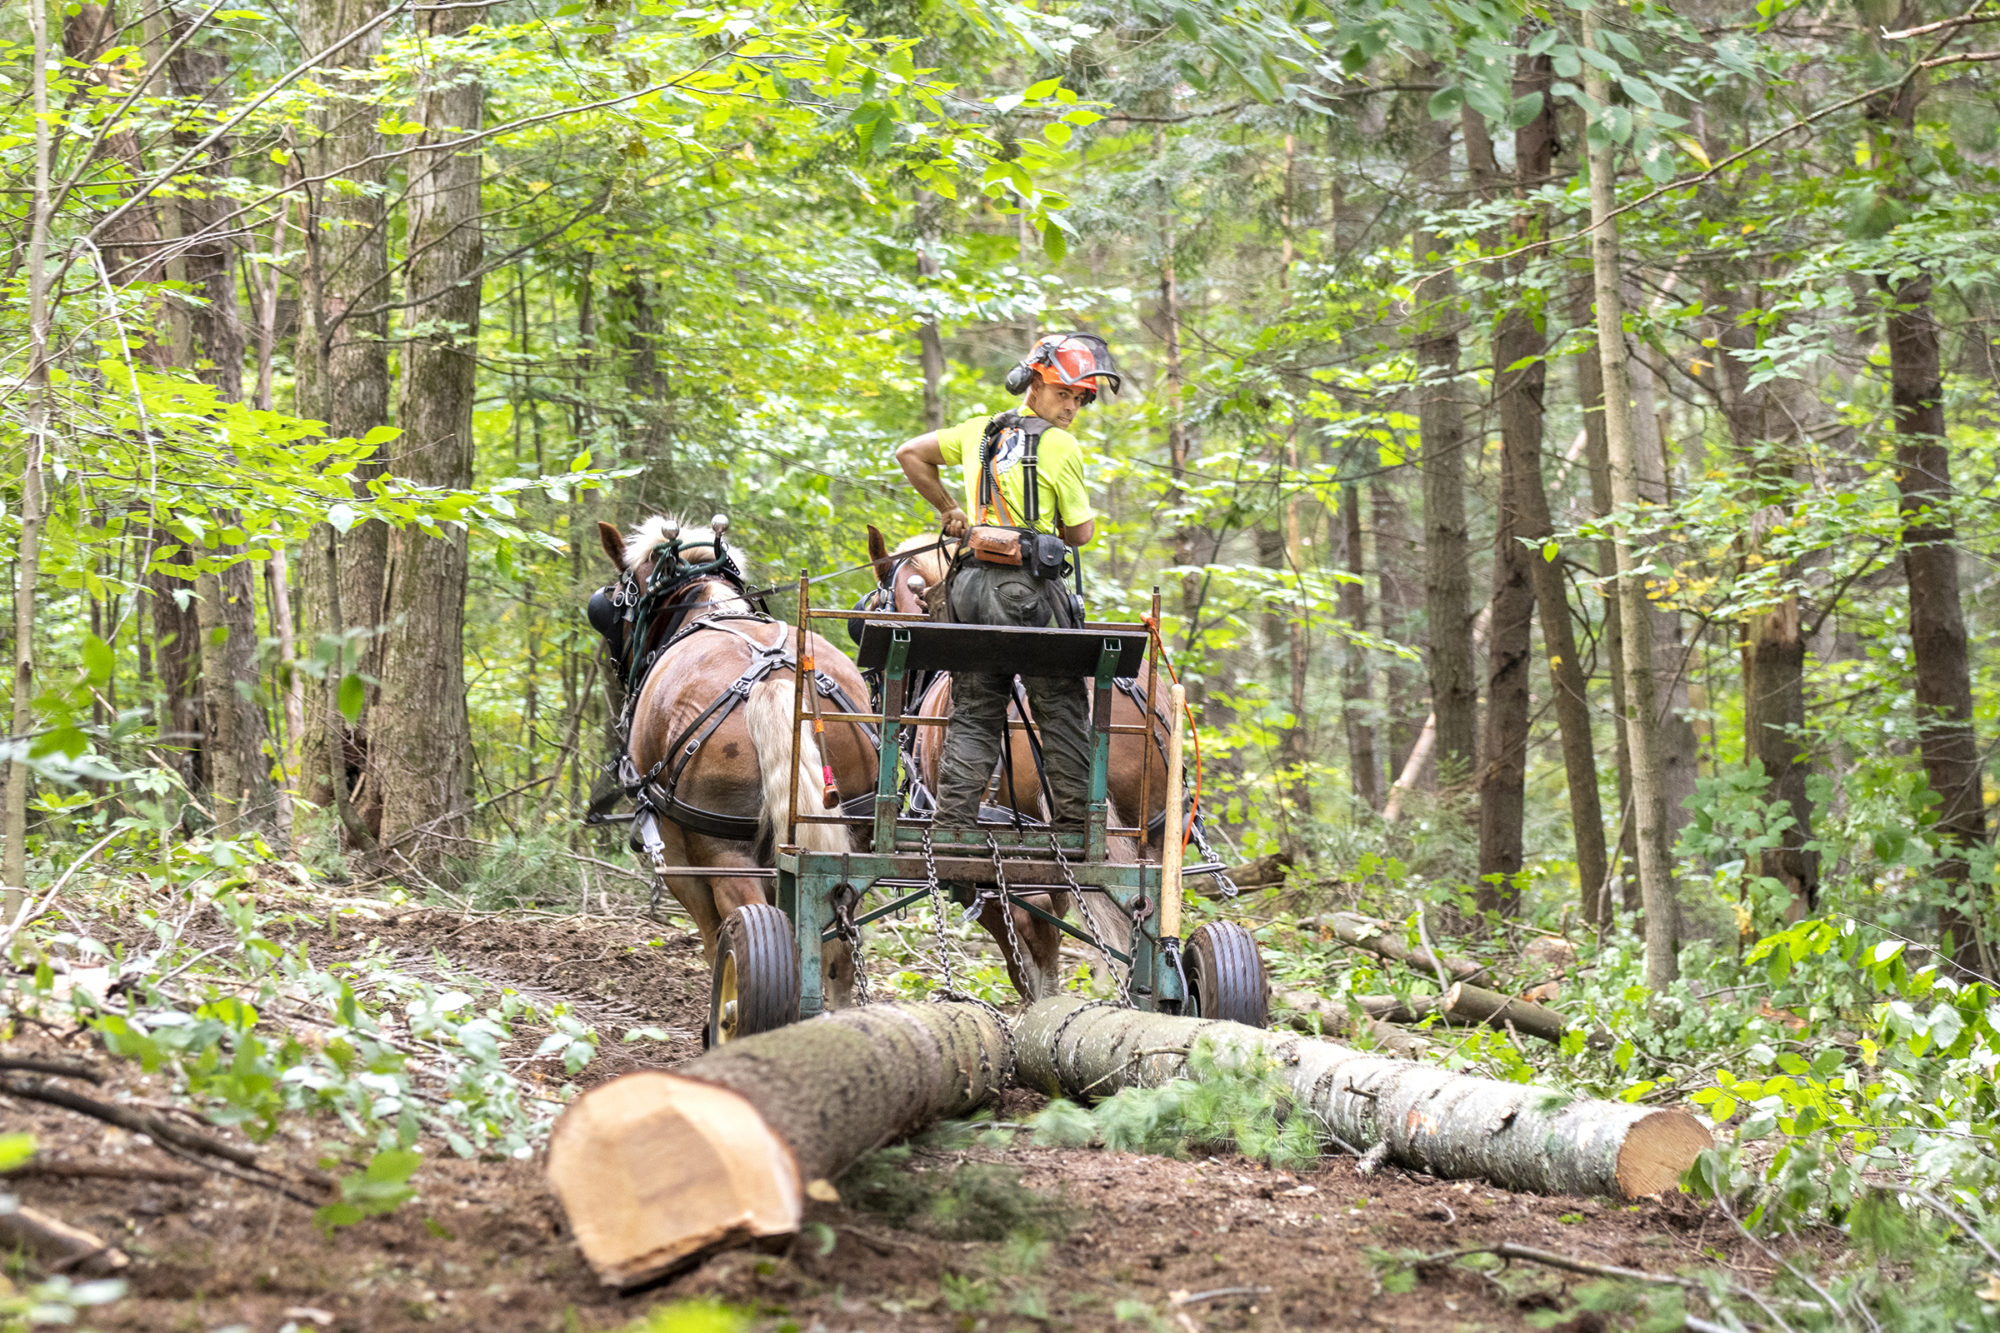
point(1076, 360)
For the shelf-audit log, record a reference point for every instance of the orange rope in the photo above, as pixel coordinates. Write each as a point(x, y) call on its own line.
point(1194, 804)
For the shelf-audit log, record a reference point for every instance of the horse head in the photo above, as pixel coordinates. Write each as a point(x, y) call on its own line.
point(668, 571)
point(903, 576)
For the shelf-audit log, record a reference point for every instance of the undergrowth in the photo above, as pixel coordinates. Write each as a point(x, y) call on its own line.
point(932, 1184)
point(1227, 1101)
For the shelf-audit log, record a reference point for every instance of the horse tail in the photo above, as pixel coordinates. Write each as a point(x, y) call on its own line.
point(769, 712)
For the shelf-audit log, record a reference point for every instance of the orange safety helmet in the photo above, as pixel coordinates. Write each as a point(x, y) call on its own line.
point(1078, 360)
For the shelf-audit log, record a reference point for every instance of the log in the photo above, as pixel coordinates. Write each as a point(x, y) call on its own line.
point(1430, 1119)
point(1261, 873)
point(1299, 1009)
point(657, 1169)
point(59, 1246)
point(1466, 1004)
point(1385, 938)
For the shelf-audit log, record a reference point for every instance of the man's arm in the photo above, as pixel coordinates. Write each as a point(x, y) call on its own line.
point(1079, 534)
point(921, 460)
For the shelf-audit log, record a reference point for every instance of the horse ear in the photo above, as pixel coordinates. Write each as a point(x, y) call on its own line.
point(614, 543)
point(878, 555)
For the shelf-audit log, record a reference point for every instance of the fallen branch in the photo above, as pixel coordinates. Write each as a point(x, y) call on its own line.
point(176, 1139)
point(57, 1065)
point(63, 1170)
point(1591, 1268)
point(60, 1247)
point(1427, 1118)
point(1385, 939)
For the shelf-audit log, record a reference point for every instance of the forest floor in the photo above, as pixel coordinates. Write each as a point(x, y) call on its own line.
point(1126, 1241)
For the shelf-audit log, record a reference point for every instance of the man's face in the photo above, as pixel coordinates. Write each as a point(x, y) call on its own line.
point(1056, 404)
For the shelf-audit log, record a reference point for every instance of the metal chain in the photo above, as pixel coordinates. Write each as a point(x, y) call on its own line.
point(1123, 979)
point(950, 990)
point(844, 902)
point(1208, 857)
point(1021, 960)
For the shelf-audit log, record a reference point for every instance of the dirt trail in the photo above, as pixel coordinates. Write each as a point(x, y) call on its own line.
point(1146, 1242)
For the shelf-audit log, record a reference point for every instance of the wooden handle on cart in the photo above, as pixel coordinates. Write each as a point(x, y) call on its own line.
point(1173, 838)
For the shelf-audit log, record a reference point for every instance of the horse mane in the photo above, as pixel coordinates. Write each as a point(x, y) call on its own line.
point(932, 564)
point(697, 543)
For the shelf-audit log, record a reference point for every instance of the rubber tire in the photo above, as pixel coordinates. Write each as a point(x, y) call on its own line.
point(758, 951)
point(1225, 975)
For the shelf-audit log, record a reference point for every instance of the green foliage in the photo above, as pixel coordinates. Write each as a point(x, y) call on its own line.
point(911, 1185)
point(380, 1187)
point(691, 1317)
point(1223, 1103)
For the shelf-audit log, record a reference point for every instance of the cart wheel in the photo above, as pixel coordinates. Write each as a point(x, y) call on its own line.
point(755, 985)
point(1225, 975)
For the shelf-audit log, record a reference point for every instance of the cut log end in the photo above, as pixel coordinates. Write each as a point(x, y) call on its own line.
point(655, 1169)
point(1658, 1150)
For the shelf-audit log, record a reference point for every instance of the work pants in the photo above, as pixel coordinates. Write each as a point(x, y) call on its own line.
point(983, 594)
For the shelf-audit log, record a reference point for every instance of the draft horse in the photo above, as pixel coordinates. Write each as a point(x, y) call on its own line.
point(711, 753)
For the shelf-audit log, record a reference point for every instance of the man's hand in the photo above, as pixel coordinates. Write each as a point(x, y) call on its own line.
point(955, 522)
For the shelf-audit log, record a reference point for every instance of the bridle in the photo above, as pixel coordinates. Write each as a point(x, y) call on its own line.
point(656, 609)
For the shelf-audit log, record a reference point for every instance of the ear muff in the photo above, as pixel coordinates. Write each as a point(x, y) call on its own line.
point(1020, 377)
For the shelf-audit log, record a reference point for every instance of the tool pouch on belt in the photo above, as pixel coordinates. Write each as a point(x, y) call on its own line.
point(996, 545)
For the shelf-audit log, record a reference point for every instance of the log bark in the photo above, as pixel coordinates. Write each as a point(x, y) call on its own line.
point(1465, 1004)
point(1386, 939)
point(1430, 1119)
point(656, 1169)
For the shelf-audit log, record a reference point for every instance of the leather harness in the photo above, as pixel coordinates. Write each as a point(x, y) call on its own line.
point(657, 790)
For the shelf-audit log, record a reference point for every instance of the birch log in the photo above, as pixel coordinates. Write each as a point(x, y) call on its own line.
point(656, 1169)
point(1451, 1125)
point(1385, 939)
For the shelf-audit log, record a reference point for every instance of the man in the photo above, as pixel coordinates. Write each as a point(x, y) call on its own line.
point(1003, 576)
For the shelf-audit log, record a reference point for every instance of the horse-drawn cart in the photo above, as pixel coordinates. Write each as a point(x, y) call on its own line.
point(768, 968)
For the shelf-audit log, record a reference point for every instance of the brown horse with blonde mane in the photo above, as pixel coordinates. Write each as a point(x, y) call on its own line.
point(711, 747)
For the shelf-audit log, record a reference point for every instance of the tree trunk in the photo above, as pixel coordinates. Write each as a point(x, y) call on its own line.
point(235, 733)
point(1430, 1119)
point(1503, 755)
point(656, 1169)
point(1946, 739)
point(342, 349)
point(1679, 745)
point(14, 865)
point(1655, 863)
point(1395, 557)
point(1937, 617)
point(1774, 651)
point(1597, 457)
point(241, 794)
point(1364, 769)
point(1441, 441)
point(1521, 380)
point(420, 739)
